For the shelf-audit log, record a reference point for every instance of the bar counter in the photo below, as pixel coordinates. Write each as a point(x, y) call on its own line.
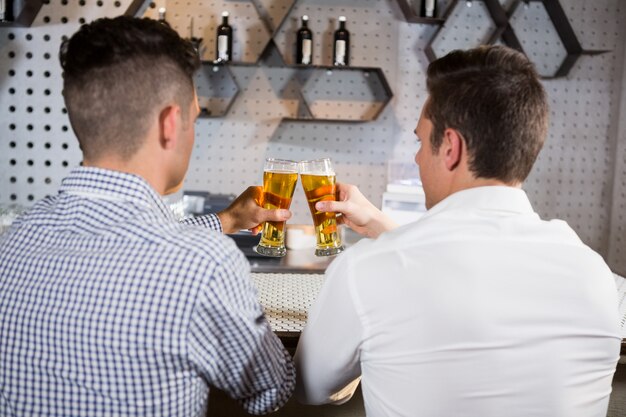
point(287, 287)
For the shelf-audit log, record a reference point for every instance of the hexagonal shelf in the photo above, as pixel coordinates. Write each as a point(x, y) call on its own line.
point(411, 14)
point(137, 8)
point(488, 12)
point(328, 93)
point(216, 89)
point(536, 45)
point(25, 13)
point(274, 12)
point(342, 94)
point(502, 28)
point(200, 19)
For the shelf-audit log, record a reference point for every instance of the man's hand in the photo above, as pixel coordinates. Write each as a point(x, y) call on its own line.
point(246, 213)
point(357, 212)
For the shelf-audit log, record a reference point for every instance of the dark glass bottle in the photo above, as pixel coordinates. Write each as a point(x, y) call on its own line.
point(429, 8)
point(162, 17)
point(6, 11)
point(224, 42)
point(304, 48)
point(341, 45)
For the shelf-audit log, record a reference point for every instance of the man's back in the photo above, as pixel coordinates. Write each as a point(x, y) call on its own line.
point(478, 309)
point(107, 305)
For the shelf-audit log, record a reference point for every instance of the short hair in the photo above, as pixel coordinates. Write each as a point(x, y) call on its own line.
point(117, 75)
point(493, 97)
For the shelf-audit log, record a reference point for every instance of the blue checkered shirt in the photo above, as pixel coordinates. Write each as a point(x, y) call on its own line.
point(109, 306)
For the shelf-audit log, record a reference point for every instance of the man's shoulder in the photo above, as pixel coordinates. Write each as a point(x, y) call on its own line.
point(427, 233)
point(380, 251)
point(198, 243)
point(391, 241)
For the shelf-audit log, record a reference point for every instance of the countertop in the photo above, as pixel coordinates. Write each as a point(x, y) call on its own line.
point(301, 261)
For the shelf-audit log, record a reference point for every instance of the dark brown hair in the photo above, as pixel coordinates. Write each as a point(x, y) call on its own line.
point(117, 75)
point(493, 97)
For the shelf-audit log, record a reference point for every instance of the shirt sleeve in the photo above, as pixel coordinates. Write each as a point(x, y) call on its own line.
point(232, 344)
point(210, 221)
point(327, 358)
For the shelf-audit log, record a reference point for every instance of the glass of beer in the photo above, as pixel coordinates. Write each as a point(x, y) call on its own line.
point(318, 181)
point(279, 182)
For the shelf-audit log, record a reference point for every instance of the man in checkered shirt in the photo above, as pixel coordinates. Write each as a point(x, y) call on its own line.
point(108, 305)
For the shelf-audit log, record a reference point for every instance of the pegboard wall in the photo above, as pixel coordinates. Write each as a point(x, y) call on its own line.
point(580, 175)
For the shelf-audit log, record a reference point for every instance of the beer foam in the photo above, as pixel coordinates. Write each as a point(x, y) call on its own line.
point(279, 171)
point(319, 173)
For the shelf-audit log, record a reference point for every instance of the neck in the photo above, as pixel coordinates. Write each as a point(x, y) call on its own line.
point(463, 178)
point(146, 168)
point(466, 183)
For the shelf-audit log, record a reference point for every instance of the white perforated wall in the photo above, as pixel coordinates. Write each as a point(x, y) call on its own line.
point(580, 175)
point(617, 233)
point(575, 173)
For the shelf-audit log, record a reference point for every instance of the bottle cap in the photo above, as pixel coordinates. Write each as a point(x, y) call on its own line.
point(342, 18)
point(224, 14)
point(305, 17)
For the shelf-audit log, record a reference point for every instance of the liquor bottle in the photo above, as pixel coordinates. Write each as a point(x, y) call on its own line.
point(304, 48)
point(224, 45)
point(6, 10)
point(341, 47)
point(429, 8)
point(162, 16)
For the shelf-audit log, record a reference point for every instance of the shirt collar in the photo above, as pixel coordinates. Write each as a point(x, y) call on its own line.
point(114, 186)
point(502, 199)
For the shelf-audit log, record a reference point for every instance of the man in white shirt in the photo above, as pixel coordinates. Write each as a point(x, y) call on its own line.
point(480, 308)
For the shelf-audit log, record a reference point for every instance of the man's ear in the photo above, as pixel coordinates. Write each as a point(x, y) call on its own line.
point(453, 148)
point(169, 120)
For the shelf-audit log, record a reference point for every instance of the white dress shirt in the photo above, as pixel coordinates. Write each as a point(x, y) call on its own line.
point(480, 308)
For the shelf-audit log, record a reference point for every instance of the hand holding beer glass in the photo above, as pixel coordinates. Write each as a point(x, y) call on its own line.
point(318, 181)
point(279, 182)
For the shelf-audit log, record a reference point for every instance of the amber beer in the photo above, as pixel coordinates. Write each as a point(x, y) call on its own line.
point(318, 182)
point(279, 183)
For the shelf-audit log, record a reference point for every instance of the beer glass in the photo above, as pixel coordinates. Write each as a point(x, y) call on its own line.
point(318, 181)
point(279, 182)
